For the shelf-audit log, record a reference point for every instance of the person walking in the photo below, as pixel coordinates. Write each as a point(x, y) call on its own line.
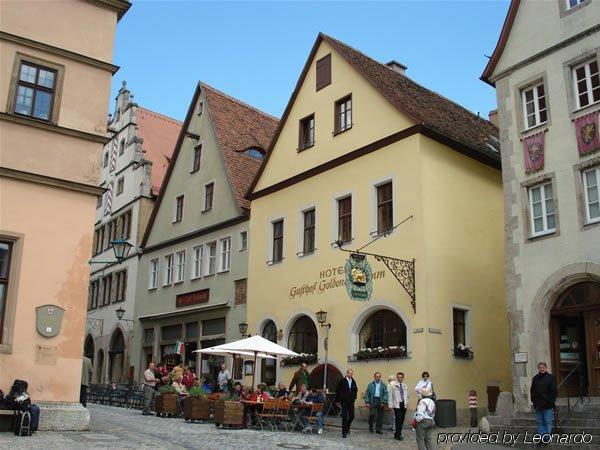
point(425, 383)
point(87, 371)
point(543, 395)
point(424, 416)
point(300, 377)
point(397, 400)
point(376, 397)
point(346, 391)
point(149, 383)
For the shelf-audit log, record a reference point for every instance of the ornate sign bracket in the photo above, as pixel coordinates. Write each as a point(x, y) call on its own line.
point(402, 269)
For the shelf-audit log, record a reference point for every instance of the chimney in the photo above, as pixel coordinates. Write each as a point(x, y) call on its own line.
point(493, 115)
point(396, 66)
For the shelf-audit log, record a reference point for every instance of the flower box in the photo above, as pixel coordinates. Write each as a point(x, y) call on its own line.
point(391, 352)
point(463, 351)
point(196, 408)
point(229, 413)
point(166, 405)
point(308, 358)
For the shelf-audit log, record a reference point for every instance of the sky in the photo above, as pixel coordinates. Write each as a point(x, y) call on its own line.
point(255, 51)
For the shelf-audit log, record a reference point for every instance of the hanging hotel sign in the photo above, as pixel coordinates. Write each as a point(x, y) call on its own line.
point(533, 151)
point(588, 137)
point(358, 277)
point(49, 320)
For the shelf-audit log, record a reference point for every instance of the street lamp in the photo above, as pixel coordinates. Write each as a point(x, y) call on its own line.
point(243, 329)
point(121, 248)
point(322, 318)
point(120, 313)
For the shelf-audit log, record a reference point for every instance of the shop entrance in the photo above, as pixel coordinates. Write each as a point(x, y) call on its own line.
point(575, 340)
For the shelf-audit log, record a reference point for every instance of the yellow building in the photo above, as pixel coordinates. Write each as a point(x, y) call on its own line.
point(360, 148)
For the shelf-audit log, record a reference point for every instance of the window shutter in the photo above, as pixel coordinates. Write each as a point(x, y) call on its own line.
point(324, 72)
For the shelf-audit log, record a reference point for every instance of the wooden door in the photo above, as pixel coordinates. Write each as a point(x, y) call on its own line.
point(592, 328)
point(568, 349)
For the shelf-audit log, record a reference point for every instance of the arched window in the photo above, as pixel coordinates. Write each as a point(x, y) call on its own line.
point(254, 152)
point(88, 347)
point(580, 294)
point(269, 366)
point(383, 328)
point(122, 147)
point(303, 336)
point(116, 357)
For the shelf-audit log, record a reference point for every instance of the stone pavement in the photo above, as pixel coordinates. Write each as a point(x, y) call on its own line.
point(120, 428)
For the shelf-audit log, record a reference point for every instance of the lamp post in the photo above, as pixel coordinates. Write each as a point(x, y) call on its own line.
point(121, 249)
point(120, 313)
point(322, 318)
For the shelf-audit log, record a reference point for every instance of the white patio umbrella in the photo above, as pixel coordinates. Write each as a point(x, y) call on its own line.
point(255, 345)
point(219, 352)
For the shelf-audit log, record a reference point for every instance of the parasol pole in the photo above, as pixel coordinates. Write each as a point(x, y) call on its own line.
point(254, 370)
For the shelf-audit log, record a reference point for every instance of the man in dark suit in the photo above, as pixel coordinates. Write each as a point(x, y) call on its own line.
point(346, 392)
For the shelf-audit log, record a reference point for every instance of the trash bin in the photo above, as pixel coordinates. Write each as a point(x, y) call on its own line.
point(445, 413)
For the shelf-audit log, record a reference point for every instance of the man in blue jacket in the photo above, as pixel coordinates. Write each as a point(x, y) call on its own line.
point(376, 397)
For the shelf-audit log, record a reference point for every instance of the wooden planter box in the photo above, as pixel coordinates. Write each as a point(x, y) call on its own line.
point(166, 405)
point(229, 413)
point(196, 408)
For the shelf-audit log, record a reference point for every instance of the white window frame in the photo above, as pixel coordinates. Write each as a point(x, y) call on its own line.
point(225, 254)
point(586, 195)
point(211, 259)
point(243, 240)
point(198, 261)
point(154, 273)
point(169, 269)
point(177, 197)
point(588, 82)
point(536, 105)
point(179, 266)
point(467, 310)
point(545, 230)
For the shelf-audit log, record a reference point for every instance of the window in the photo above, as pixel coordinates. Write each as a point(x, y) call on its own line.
point(534, 106)
point(149, 336)
point(197, 267)
point(587, 83)
point(307, 132)
point(573, 3)
point(112, 231)
point(211, 327)
point(592, 194)
point(345, 219)
point(541, 207)
point(180, 269)
point(254, 152)
point(169, 270)
point(99, 240)
point(6, 251)
point(122, 147)
point(385, 211)
point(121, 286)
point(125, 224)
point(225, 254)
point(459, 326)
point(105, 159)
point(303, 336)
point(308, 245)
point(94, 289)
point(209, 191)
point(277, 241)
point(98, 202)
point(106, 289)
point(120, 185)
point(178, 209)
point(243, 241)
point(383, 328)
point(212, 258)
point(171, 332)
point(343, 114)
point(196, 158)
point(324, 72)
point(35, 91)
point(154, 270)
point(200, 108)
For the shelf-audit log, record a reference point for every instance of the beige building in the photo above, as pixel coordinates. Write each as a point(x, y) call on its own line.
point(53, 91)
point(545, 70)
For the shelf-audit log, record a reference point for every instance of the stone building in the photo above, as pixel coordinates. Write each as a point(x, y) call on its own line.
point(361, 148)
point(192, 277)
point(55, 74)
point(133, 163)
point(545, 71)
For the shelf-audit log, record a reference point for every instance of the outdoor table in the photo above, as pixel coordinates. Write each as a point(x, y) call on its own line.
point(330, 405)
point(298, 414)
point(250, 408)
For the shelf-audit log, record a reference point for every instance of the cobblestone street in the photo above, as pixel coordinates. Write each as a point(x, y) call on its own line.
point(113, 427)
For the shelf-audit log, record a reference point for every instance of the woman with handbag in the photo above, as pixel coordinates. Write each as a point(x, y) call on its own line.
point(423, 421)
point(425, 383)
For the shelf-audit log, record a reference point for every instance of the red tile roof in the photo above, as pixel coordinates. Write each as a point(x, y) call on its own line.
point(159, 134)
point(238, 126)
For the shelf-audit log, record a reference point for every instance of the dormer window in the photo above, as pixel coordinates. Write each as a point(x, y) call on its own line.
point(573, 3)
point(200, 107)
point(254, 152)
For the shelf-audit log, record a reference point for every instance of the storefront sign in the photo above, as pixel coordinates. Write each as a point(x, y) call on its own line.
point(192, 298)
point(359, 278)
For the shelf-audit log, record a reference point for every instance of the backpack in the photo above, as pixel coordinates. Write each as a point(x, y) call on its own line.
point(18, 398)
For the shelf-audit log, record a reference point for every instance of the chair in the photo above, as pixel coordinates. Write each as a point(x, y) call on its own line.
point(267, 416)
point(316, 408)
point(282, 416)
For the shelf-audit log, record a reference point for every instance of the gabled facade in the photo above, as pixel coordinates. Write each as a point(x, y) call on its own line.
point(191, 285)
point(360, 149)
point(133, 165)
point(545, 71)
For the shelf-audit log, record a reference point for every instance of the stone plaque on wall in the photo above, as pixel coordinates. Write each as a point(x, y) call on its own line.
point(241, 288)
point(46, 354)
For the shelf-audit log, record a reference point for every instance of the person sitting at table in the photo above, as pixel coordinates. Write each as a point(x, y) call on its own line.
point(317, 396)
point(188, 378)
point(245, 395)
point(303, 394)
point(237, 391)
point(259, 395)
point(282, 391)
point(181, 390)
point(207, 384)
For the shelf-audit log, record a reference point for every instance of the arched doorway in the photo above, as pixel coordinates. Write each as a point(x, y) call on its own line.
point(333, 377)
point(268, 371)
point(100, 367)
point(303, 337)
point(88, 347)
point(116, 354)
point(575, 339)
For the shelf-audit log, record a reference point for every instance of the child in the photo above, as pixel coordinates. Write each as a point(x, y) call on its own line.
point(473, 407)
